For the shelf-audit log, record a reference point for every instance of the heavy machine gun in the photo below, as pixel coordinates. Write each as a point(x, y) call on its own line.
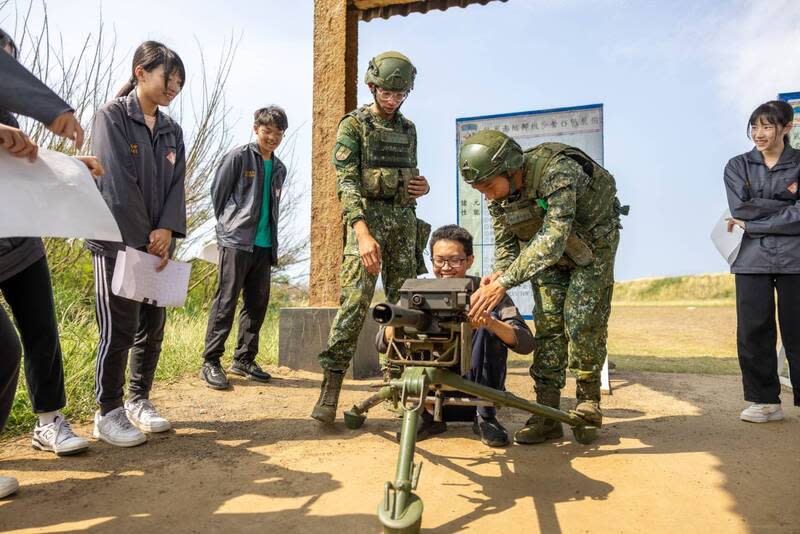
point(432, 346)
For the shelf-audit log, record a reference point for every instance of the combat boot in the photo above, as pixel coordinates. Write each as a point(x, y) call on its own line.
point(325, 408)
point(539, 429)
point(588, 407)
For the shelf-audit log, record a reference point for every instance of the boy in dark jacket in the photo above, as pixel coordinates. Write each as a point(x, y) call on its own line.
point(246, 194)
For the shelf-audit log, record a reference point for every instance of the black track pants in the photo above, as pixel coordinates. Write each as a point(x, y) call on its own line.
point(247, 273)
point(125, 325)
point(756, 333)
point(29, 294)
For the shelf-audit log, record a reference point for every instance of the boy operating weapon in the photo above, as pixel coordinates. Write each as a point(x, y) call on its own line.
point(496, 331)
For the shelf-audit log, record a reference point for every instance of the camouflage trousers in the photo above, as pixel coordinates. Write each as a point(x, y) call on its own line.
point(395, 230)
point(571, 317)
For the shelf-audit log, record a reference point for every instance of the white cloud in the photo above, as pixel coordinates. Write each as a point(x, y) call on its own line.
point(754, 55)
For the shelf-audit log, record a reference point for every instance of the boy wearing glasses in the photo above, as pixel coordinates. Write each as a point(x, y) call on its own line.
point(375, 157)
point(246, 194)
point(496, 331)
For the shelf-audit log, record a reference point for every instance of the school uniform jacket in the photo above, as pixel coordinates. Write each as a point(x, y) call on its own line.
point(145, 173)
point(21, 92)
point(767, 201)
point(236, 193)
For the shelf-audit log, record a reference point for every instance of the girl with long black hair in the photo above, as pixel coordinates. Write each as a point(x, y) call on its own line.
point(143, 153)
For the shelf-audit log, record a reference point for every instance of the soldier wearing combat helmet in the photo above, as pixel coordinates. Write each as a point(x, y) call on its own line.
point(375, 157)
point(556, 222)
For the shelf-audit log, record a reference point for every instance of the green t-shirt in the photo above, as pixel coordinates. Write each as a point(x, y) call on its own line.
point(264, 232)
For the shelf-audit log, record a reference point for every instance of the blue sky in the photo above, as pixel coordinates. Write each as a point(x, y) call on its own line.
point(678, 80)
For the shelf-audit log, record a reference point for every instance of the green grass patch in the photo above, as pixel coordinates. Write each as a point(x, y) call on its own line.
point(184, 337)
point(716, 288)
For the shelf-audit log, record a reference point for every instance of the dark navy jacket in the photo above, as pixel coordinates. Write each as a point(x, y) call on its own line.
point(145, 173)
point(767, 200)
point(23, 93)
point(236, 193)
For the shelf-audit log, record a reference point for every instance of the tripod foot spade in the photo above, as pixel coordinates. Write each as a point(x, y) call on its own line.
point(409, 522)
point(352, 420)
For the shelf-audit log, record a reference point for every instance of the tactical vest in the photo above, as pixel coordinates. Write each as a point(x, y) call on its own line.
point(388, 158)
point(526, 215)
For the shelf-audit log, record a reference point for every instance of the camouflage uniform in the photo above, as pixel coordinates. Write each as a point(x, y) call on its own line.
point(572, 302)
point(372, 177)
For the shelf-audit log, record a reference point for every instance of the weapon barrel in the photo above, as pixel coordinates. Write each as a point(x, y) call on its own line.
point(392, 315)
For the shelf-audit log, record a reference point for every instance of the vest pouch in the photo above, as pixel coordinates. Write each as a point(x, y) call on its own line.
point(390, 180)
point(578, 251)
point(524, 218)
point(371, 183)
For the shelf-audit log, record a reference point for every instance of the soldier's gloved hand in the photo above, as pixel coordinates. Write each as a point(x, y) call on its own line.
point(418, 186)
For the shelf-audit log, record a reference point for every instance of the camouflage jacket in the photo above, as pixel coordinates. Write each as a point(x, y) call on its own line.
point(574, 203)
point(347, 159)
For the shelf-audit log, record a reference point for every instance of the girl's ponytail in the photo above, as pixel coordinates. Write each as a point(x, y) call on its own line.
point(128, 87)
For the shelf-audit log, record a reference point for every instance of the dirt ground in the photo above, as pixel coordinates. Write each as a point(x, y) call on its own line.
point(673, 456)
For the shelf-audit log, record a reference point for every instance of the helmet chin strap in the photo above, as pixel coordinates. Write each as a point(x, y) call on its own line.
point(512, 189)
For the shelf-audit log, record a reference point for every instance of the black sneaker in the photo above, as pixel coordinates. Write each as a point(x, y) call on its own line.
point(214, 375)
point(490, 431)
point(427, 427)
point(250, 370)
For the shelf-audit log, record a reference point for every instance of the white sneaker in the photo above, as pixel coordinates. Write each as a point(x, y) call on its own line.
point(8, 486)
point(115, 428)
point(761, 413)
point(58, 437)
point(145, 417)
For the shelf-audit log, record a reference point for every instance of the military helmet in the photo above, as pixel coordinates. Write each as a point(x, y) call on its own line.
point(488, 153)
point(391, 71)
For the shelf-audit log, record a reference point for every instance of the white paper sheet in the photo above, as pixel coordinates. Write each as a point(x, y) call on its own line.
point(55, 196)
point(209, 252)
point(135, 278)
point(727, 243)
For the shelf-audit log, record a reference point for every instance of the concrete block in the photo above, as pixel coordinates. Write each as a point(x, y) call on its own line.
point(303, 333)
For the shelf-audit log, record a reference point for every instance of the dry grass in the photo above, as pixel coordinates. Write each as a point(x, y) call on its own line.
point(670, 339)
point(699, 290)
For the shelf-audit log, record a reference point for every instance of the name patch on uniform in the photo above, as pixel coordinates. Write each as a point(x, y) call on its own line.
point(792, 188)
point(171, 157)
point(250, 174)
point(134, 149)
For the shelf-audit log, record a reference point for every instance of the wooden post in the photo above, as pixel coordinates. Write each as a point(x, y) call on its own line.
point(335, 71)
